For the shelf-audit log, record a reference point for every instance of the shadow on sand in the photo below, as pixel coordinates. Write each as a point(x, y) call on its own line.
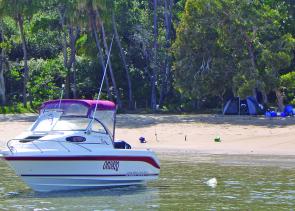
point(146, 120)
point(18, 117)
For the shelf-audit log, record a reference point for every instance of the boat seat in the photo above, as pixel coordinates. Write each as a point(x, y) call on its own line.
point(121, 145)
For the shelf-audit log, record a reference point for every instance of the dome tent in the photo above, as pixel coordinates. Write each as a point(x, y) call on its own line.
point(238, 106)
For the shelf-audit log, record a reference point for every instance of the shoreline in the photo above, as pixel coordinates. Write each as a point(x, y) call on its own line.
point(194, 133)
point(244, 135)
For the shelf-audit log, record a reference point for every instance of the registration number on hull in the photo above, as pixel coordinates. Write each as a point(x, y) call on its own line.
point(111, 165)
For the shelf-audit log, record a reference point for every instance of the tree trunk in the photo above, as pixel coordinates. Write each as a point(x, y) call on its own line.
point(67, 84)
point(221, 96)
point(264, 97)
point(100, 54)
point(110, 64)
point(130, 98)
point(74, 82)
point(222, 103)
point(154, 68)
point(26, 68)
point(68, 75)
point(68, 62)
point(2, 64)
point(73, 34)
point(2, 86)
point(64, 50)
point(280, 99)
point(166, 74)
point(253, 62)
point(254, 93)
point(153, 93)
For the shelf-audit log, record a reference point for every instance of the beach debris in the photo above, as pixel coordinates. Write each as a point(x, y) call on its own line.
point(217, 139)
point(10, 194)
point(142, 140)
point(212, 182)
point(185, 138)
point(156, 135)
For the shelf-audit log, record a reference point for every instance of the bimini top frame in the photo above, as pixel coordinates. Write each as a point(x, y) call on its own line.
point(73, 104)
point(105, 110)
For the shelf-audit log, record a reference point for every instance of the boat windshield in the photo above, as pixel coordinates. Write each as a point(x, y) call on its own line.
point(68, 123)
point(46, 121)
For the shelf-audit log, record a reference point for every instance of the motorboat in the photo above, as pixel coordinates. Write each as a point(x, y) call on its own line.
point(72, 145)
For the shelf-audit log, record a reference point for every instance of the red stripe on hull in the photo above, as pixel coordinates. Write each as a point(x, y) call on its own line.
point(148, 160)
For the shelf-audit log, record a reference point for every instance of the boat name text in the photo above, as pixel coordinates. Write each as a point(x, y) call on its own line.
point(111, 165)
point(137, 173)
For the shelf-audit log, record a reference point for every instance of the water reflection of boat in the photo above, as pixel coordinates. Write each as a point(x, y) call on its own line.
point(71, 146)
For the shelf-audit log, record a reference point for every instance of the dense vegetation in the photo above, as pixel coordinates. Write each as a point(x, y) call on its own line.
point(176, 55)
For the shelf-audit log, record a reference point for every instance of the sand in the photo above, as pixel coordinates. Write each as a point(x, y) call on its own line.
point(186, 133)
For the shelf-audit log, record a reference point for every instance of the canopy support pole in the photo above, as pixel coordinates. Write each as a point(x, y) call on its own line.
point(100, 88)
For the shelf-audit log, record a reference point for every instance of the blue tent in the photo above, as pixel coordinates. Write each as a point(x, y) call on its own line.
point(238, 106)
point(289, 110)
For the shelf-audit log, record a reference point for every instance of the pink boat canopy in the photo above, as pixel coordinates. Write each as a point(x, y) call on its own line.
point(79, 106)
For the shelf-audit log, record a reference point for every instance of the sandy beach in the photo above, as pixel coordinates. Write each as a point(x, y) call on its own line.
point(238, 134)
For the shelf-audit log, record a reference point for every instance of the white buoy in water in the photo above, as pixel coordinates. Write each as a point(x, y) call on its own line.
point(212, 182)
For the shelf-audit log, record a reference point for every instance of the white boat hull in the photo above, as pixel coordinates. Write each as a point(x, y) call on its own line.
point(47, 184)
point(55, 173)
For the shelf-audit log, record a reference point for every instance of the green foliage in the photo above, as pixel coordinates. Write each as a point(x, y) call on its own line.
point(288, 83)
point(45, 78)
point(288, 80)
point(219, 48)
point(17, 108)
point(244, 87)
point(238, 45)
point(202, 63)
point(88, 77)
point(44, 35)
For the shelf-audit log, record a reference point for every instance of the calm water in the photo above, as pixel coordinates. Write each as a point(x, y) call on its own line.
point(244, 183)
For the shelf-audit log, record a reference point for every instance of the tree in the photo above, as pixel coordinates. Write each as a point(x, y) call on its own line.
point(269, 47)
point(219, 48)
point(203, 63)
point(19, 10)
point(92, 8)
point(69, 29)
point(166, 73)
point(155, 58)
point(104, 39)
point(130, 97)
point(244, 38)
point(2, 66)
